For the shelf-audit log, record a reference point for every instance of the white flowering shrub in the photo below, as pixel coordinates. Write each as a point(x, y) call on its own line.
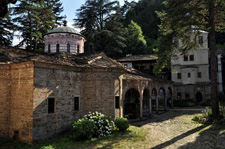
point(103, 124)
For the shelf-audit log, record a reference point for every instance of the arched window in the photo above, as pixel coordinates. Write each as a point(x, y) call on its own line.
point(57, 48)
point(78, 48)
point(68, 48)
point(49, 48)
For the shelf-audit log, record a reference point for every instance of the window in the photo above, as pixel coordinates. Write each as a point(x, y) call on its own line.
point(68, 48)
point(49, 48)
point(199, 75)
point(51, 105)
point(191, 57)
point(117, 102)
point(76, 104)
point(189, 75)
point(185, 58)
point(57, 48)
point(187, 95)
point(78, 48)
point(125, 65)
point(200, 40)
point(178, 75)
point(179, 95)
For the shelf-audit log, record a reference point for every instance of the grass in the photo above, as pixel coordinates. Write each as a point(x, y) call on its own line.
point(133, 136)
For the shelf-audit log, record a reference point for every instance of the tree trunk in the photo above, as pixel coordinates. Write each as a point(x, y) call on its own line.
point(213, 62)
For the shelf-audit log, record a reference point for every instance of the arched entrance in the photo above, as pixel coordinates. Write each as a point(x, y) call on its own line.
point(154, 97)
point(199, 96)
point(169, 97)
point(132, 104)
point(146, 97)
point(162, 101)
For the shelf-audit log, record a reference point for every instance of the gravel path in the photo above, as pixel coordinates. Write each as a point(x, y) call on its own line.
point(174, 129)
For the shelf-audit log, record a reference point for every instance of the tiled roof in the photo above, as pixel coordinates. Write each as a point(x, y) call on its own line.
point(64, 29)
point(138, 58)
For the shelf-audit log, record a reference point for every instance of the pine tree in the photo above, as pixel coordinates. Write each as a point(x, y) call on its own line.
point(135, 41)
point(34, 19)
point(177, 23)
point(6, 31)
point(102, 28)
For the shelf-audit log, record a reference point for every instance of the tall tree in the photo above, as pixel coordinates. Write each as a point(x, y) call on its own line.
point(177, 22)
point(6, 31)
point(136, 44)
point(34, 19)
point(102, 28)
point(57, 10)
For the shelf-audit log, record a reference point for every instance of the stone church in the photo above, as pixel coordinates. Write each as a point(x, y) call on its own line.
point(42, 94)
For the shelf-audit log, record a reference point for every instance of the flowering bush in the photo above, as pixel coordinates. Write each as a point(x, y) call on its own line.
point(103, 124)
point(122, 123)
point(206, 116)
point(83, 129)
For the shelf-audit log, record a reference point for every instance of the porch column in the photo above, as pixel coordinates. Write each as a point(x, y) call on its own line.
point(141, 107)
point(165, 103)
point(150, 106)
point(157, 104)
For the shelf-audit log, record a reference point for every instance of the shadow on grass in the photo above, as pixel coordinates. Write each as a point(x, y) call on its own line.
point(133, 134)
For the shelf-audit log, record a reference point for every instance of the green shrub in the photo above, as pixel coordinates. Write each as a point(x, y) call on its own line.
point(122, 123)
point(206, 102)
point(184, 103)
point(103, 124)
point(83, 129)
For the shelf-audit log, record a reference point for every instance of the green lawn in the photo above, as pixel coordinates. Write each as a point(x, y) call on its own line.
point(116, 140)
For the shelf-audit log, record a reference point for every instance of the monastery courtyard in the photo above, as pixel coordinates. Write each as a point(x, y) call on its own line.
point(171, 129)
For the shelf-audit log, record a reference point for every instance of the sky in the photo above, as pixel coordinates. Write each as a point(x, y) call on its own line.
point(70, 7)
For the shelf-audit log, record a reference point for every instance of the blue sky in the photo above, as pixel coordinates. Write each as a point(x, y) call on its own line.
point(70, 7)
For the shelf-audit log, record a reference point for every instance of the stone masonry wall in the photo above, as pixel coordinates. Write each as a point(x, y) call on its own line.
point(20, 113)
point(99, 92)
point(62, 83)
point(4, 99)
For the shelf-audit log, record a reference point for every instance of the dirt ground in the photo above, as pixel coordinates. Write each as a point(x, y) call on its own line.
point(174, 129)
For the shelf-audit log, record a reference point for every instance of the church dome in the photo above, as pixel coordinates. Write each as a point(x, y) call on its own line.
point(64, 29)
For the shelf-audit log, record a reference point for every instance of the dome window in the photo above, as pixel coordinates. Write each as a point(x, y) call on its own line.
point(57, 48)
point(49, 48)
point(78, 48)
point(68, 48)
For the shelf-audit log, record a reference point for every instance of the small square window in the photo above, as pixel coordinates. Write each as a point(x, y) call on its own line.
point(117, 102)
point(125, 65)
point(199, 75)
point(189, 75)
point(185, 58)
point(51, 105)
point(178, 75)
point(76, 103)
point(191, 57)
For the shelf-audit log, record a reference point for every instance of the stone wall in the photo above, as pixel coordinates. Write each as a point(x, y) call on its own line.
point(62, 83)
point(5, 77)
point(100, 91)
point(21, 115)
point(16, 90)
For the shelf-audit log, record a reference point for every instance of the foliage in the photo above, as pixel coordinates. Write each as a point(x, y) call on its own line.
point(135, 41)
point(103, 124)
point(122, 123)
point(6, 31)
point(184, 103)
point(103, 30)
point(207, 117)
point(206, 102)
point(34, 19)
point(83, 129)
